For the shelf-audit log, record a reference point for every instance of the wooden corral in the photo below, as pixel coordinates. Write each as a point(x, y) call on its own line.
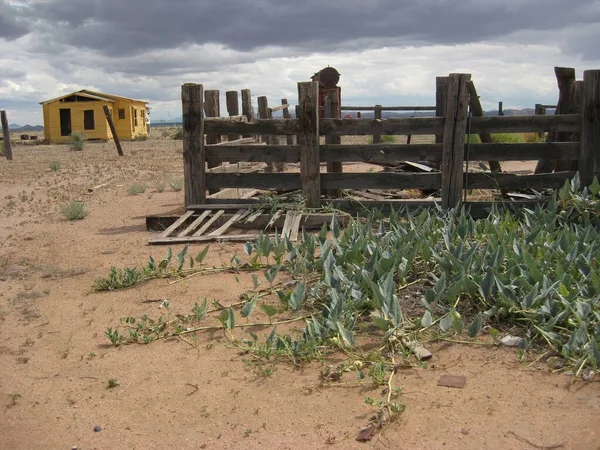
point(462, 115)
point(83, 112)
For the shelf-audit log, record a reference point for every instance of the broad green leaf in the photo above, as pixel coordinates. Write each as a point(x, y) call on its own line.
point(255, 281)
point(181, 256)
point(200, 256)
point(200, 311)
point(297, 296)
point(446, 322)
point(248, 248)
point(227, 318)
point(247, 309)
point(475, 327)
point(426, 320)
point(271, 273)
point(268, 309)
point(347, 335)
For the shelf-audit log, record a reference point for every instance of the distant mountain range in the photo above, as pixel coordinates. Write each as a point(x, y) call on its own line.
point(17, 127)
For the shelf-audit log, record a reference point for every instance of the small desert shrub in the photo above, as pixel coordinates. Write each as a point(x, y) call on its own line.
point(55, 166)
point(507, 138)
point(78, 141)
point(137, 188)
point(178, 135)
point(176, 184)
point(141, 137)
point(385, 139)
point(533, 138)
point(160, 187)
point(74, 210)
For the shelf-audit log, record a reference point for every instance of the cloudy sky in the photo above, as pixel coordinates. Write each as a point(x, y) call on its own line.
point(387, 51)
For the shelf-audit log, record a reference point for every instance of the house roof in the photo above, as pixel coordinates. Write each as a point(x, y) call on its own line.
point(93, 95)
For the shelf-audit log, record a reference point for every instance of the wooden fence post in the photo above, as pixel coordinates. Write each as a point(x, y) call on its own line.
point(377, 116)
point(308, 140)
point(332, 111)
point(453, 152)
point(565, 77)
point(233, 109)
point(540, 111)
point(589, 157)
point(500, 110)
point(113, 130)
point(441, 96)
point(6, 135)
point(212, 108)
point(247, 107)
point(194, 157)
point(477, 111)
point(286, 115)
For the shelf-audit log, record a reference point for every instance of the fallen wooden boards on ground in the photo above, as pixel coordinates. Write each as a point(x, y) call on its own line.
point(205, 223)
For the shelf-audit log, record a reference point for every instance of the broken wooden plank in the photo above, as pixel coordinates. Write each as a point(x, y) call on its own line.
point(276, 216)
point(196, 239)
point(295, 227)
point(177, 224)
point(237, 216)
point(209, 223)
point(191, 227)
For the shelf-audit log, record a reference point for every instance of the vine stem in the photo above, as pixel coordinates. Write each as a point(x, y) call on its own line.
point(243, 325)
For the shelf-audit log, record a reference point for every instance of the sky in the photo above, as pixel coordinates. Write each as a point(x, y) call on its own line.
point(387, 51)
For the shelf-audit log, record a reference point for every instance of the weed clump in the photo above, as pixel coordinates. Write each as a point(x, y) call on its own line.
point(74, 210)
point(78, 141)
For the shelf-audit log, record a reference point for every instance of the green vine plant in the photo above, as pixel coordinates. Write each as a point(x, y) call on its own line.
point(534, 269)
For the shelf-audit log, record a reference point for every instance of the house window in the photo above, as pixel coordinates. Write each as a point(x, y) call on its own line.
point(121, 113)
point(88, 119)
point(135, 123)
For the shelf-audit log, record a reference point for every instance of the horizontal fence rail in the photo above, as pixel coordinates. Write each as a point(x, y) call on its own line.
point(399, 126)
point(394, 153)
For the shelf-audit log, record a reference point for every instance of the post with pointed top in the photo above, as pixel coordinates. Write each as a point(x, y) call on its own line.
point(247, 107)
point(194, 158)
point(377, 116)
point(589, 156)
point(6, 134)
point(308, 140)
point(453, 146)
point(233, 109)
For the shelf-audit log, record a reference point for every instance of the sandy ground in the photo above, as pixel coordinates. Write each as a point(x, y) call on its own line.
point(55, 361)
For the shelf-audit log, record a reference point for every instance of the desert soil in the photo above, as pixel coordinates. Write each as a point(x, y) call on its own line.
point(55, 361)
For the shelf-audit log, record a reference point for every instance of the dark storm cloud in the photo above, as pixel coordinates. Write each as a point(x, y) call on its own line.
point(12, 25)
point(126, 27)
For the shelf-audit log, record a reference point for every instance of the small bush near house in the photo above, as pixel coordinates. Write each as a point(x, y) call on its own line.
point(74, 210)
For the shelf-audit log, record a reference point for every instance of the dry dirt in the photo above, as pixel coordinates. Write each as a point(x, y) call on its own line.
point(56, 362)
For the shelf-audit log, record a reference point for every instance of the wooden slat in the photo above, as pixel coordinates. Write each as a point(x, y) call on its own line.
point(177, 224)
point(280, 107)
point(254, 180)
point(254, 128)
point(210, 221)
point(427, 181)
point(526, 124)
point(192, 226)
point(287, 225)
point(229, 205)
point(524, 152)
point(197, 239)
point(512, 181)
point(255, 153)
point(295, 227)
point(391, 153)
point(275, 217)
point(237, 216)
point(416, 125)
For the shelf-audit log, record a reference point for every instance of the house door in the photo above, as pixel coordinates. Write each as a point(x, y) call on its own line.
point(65, 122)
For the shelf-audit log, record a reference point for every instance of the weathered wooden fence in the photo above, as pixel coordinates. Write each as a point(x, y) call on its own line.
point(451, 149)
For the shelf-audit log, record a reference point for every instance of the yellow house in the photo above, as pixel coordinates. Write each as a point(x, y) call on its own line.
point(82, 112)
